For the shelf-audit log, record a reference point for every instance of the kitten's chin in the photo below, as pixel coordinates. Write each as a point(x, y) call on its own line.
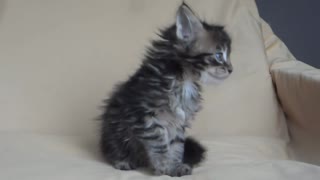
point(213, 78)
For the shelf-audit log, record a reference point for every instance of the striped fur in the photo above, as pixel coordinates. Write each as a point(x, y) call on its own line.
point(145, 118)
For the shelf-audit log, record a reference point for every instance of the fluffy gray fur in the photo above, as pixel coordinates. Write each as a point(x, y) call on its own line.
point(145, 118)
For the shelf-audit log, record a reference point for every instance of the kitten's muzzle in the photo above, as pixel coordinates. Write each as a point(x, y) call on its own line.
point(230, 69)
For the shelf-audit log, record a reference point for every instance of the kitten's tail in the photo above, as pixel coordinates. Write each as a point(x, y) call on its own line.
point(194, 152)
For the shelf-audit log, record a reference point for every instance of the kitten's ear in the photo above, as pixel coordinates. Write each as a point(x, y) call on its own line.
point(187, 23)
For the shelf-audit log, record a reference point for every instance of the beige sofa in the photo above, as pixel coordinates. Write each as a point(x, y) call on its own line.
point(59, 59)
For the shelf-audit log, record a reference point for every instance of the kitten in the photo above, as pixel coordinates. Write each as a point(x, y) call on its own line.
point(145, 118)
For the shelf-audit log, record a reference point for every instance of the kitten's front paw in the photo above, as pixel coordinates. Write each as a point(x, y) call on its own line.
point(123, 166)
point(177, 171)
point(159, 172)
point(182, 170)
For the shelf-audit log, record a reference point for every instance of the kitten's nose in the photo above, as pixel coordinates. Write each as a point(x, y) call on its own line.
point(229, 68)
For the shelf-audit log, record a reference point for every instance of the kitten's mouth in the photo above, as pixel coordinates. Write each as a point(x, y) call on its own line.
point(219, 77)
point(214, 76)
point(219, 74)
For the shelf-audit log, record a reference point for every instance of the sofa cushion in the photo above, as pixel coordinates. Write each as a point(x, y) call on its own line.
point(43, 156)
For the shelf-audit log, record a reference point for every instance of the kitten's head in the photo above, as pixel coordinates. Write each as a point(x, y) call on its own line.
point(206, 48)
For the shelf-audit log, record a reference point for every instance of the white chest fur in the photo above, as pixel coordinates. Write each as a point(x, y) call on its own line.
point(185, 101)
point(189, 90)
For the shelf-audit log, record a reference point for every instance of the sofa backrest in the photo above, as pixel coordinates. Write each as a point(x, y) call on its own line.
point(59, 59)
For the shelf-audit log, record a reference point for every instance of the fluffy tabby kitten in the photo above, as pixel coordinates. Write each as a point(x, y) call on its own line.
point(145, 118)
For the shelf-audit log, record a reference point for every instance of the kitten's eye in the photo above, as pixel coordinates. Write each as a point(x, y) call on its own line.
point(219, 57)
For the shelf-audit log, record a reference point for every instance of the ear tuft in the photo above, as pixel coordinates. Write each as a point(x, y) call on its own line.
point(188, 25)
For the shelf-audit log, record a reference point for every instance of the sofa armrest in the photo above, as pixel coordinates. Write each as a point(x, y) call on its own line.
point(298, 89)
